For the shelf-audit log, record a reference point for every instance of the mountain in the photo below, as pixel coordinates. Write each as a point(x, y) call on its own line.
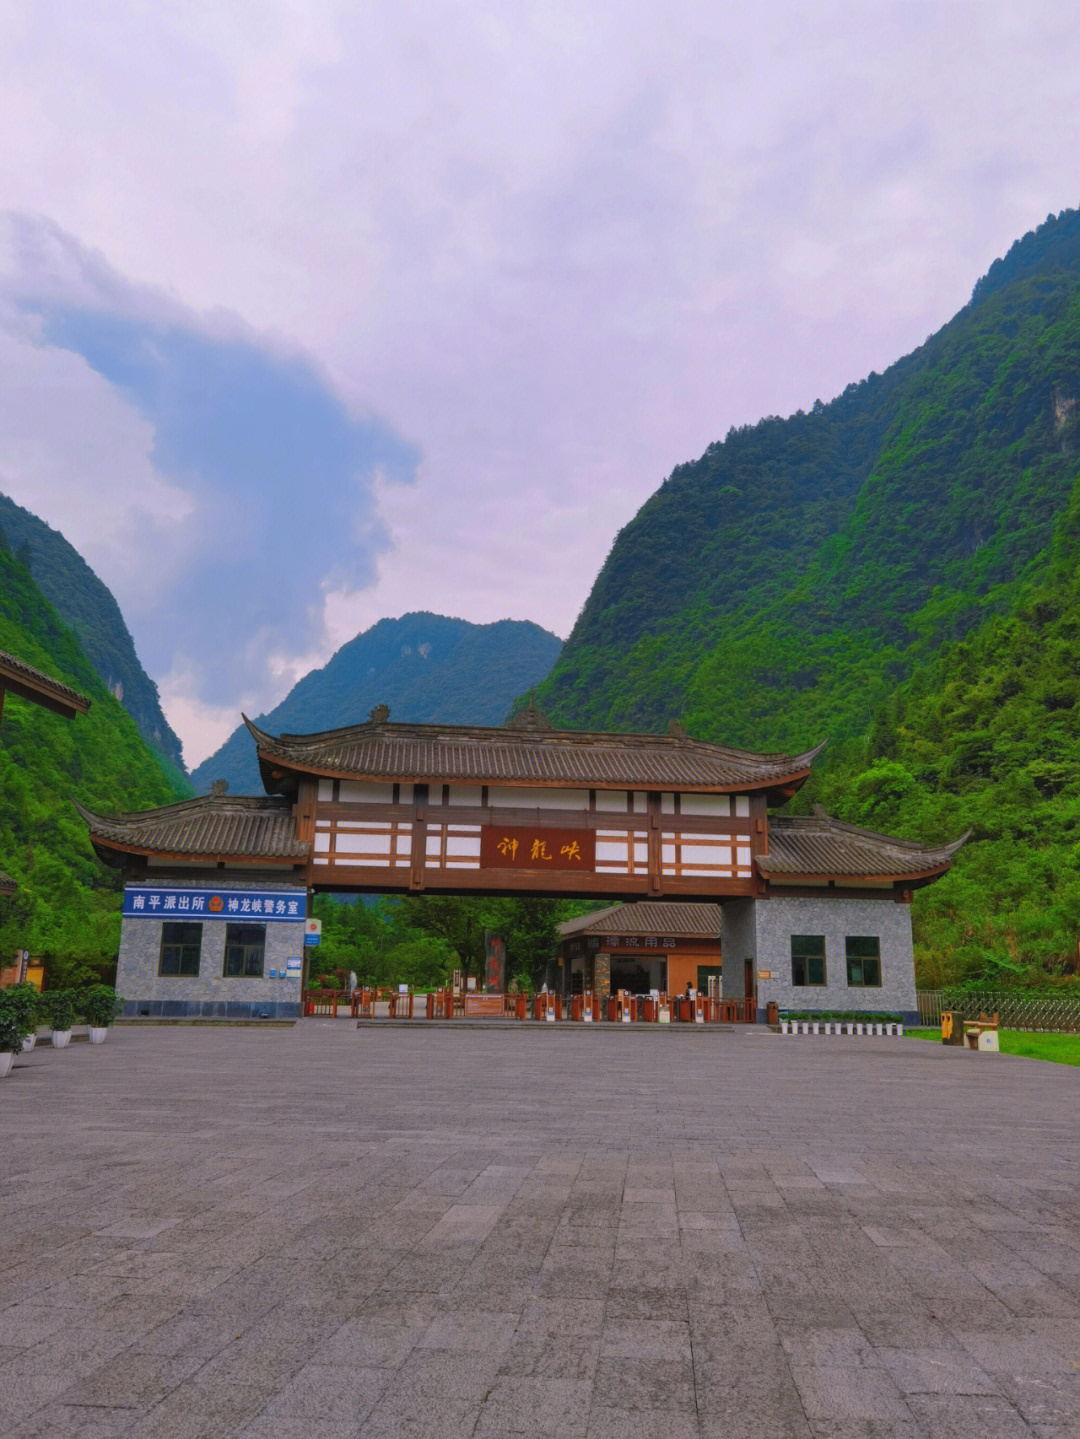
point(429, 669)
point(87, 605)
point(67, 907)
point(864, 572)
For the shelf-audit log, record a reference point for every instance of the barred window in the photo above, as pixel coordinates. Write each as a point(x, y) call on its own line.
point(807, 959)
point(863, 953)
point(181, 944)
point(245, 945)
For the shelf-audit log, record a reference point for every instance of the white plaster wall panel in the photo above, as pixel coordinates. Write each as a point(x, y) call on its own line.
point(742, 806)
point(354, 791)
point(365, 844)
point(322, 842)
point(667, 804)
point(466, 795)
point(621, 853)
point(718, 805)
point(326, 789)
point(537, 797)
point(641, 801)
point(611, 801)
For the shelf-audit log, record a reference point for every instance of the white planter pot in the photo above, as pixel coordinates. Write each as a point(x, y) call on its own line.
point(784, 1026)
point(28, 1043)
point(61, 1038)
point(899, 1031)
point(6, 1061)
point(858, 1028)
point(850, 1027)
point(815, 1028)
point(97, 1036)
point(879, 1030)
point(890, 1029)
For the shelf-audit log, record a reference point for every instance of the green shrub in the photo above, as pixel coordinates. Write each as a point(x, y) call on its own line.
point(10, 1036)
point(99, 1005)
point(60, 1008)
point(24, 1003)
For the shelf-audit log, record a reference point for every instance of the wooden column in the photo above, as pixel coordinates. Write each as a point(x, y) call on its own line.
point(656, 879)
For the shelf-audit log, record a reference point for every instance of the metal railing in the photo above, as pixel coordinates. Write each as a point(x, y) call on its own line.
point(1050, 1012)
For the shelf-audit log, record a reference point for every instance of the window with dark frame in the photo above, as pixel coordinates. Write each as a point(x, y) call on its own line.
point(807, 960)
point(863, 954)
point(181, 945)
point(245, 948)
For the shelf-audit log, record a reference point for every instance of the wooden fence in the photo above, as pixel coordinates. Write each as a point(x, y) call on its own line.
point(1049, 1012)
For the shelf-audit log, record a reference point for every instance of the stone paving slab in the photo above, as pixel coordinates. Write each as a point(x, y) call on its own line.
point(332, 1232)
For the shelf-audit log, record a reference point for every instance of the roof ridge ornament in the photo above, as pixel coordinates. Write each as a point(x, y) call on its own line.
point(379, 715)
point(219, 788)
point(531, 719)
point(677, 730)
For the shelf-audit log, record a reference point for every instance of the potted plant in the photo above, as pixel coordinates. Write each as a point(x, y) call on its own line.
point(25, 1003)
point(60, 1007)
point(98, 1006)
point(10, 1035)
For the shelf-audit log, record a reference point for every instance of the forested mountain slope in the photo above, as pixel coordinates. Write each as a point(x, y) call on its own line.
point(88, 606)
point(67, 907)
point(894, 571)
point(429, 669)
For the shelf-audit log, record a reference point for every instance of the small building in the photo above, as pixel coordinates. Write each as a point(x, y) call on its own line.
point(214, 911)
point(640, 947)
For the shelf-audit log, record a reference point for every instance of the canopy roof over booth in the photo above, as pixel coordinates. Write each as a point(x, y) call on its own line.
point(652, 917)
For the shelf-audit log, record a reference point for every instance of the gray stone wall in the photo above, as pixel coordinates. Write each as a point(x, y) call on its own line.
point(776, 919)
point(209, 994)
point(738, 943)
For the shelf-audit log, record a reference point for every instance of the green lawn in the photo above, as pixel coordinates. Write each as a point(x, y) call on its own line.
point(1057, 1048)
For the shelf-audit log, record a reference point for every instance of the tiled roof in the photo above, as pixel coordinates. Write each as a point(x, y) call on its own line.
point(39, 688)
point(7, 884)
point(466, 753)
point(820, 845)
point(682, 921)
point(226, 826)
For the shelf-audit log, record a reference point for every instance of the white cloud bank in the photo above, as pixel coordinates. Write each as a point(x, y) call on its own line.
point(559, 249)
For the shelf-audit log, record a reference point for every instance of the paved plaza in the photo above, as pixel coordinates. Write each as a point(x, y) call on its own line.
point(319, 1231)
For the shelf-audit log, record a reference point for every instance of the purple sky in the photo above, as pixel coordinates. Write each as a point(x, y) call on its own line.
point(316, 313)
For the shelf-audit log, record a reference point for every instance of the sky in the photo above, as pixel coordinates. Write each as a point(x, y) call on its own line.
point(316, 313)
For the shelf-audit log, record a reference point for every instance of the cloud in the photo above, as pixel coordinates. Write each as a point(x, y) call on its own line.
point(564, 247)
point(233, 475)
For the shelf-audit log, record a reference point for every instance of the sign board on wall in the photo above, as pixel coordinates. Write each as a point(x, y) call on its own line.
point(152, 901)
point(535, 848)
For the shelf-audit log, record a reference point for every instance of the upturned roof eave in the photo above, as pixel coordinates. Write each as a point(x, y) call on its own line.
point(112, 846)
point(280, 768)
point(36, 687)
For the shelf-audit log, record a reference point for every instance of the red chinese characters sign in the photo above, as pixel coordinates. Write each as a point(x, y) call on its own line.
point(530, 847)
